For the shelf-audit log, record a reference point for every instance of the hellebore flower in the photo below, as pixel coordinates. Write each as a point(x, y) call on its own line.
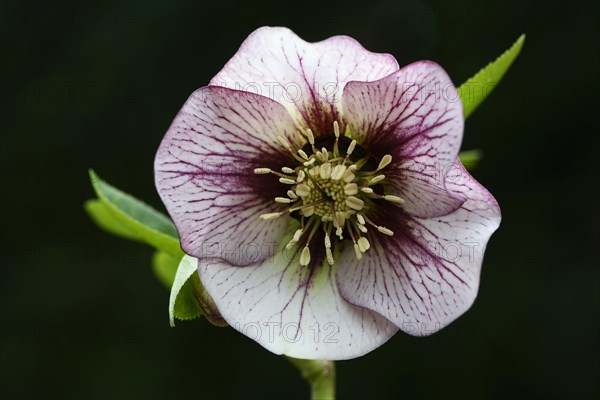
point(319, 187)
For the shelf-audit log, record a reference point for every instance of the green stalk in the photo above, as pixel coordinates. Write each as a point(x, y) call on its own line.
point(320, 375)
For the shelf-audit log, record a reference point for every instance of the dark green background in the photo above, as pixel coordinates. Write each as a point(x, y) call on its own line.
point(97, 84)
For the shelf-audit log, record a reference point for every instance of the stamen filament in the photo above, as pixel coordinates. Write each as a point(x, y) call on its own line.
point(336, 132)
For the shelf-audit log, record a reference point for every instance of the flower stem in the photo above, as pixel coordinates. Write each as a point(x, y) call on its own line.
point(320, 375)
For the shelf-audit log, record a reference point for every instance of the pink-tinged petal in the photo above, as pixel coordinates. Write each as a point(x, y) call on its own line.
point(416, 116)
point(427, 274)
point(204, 172)
point(307, 78)
point(293, 310)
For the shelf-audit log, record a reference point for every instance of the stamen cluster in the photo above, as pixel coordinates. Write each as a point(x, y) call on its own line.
point(330, 192)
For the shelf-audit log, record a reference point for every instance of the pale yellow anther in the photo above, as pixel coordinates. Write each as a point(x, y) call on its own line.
point(377, 179)
point(270, 216)
point(325, 171)
point(310, 136)
point(363, 244)
point(338, 172)
point(361, 219)
point(287, 170)
point(295, 239)
point(308, 211)
point(329, 254)
point(348, 176)
point(262, 170)
point(355, 203)
point(327, 242)
point(287, 181)
point(302, 190)
point(301, 176)
point(362, 228)
point(284, 142)
point(357, 252)
point(340, 219)
point(336, 129)
point(297, 235)
point(291, 194)
point(325, 154)
point(305, 256)
point(385, 231)
point(351, 189)
point(309, 162)
point(385, 161)
point(351, 147)
point(282, 200)
point(394, 199)
point(303, 154)
point(366, 190)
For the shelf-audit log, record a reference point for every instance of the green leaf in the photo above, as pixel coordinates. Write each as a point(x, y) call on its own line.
point(165, 267)
point(183, 303)
point(128, 217)
point(477, 88)
point(470, 158)
point(103, 217)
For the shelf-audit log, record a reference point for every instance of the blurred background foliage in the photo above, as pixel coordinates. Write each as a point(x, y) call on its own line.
point(97, 83)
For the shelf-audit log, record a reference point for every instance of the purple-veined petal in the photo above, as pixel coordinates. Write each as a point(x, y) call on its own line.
point(307, 78)
point(204, 172)
point(416, 116)
point(427, 274)
point(293, 310)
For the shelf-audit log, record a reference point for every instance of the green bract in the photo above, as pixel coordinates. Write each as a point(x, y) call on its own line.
point(184, 300)
point(131, 218)
point(123, 215)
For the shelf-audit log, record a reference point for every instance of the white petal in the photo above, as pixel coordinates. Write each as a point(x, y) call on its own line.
point(204, 172)
point(427, 274)
point(268, 302)
point(416, 116)
point(307, 78)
